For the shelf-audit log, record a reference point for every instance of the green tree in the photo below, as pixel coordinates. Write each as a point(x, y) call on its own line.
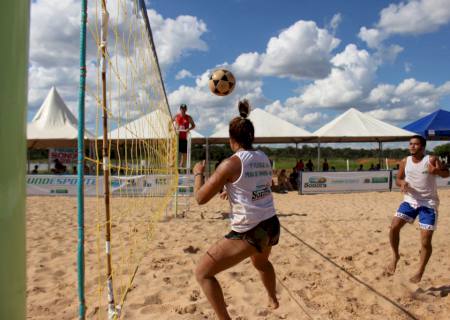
point(442, 150)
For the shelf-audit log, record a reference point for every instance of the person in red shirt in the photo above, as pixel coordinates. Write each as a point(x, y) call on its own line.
point(184, 124)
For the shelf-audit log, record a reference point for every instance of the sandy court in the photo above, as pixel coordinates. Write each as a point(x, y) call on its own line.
point(329, 263)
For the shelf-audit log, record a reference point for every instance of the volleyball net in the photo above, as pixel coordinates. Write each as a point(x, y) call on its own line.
point(135, 157)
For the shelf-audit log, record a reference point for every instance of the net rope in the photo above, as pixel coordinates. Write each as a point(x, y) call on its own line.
point(141, 152)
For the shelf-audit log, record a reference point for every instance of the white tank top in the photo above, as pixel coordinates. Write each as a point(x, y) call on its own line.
point(250, 195)
point(422, 185)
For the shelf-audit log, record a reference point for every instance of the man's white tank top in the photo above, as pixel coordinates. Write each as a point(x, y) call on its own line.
point(422, 185)
point(250, 195)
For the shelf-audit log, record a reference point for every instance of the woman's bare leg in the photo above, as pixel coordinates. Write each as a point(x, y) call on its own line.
point(267, 273)
point(222, 255)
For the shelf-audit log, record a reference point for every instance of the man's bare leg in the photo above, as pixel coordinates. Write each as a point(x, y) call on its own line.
point(425, 254)
point(183, 157)
point(221, 256)
point(394, 238)
point(267, 273)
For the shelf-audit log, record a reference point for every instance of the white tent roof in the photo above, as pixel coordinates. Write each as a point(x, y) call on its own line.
point(154, 125)
point(54, 124)
point(268, 129)
point(355, 126)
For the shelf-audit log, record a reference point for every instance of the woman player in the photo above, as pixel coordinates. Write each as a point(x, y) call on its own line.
point(255, 228)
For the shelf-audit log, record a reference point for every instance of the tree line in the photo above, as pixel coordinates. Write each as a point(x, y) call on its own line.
point(218, 152)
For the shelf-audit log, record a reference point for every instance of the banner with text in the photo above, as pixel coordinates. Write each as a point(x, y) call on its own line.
point(144, 185)
point(329, 182)
point(66, 156)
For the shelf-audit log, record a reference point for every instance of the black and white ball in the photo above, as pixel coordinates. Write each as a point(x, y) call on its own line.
point(221, 82)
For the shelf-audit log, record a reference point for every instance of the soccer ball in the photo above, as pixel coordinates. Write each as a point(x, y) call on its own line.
point(221, 82)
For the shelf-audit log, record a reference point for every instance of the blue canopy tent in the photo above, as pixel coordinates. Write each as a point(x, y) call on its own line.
point(435, 126)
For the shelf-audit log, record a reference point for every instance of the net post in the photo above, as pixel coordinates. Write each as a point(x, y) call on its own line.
point(177, 176)
point(14, 33)
point(112, 312)
point(80, 163)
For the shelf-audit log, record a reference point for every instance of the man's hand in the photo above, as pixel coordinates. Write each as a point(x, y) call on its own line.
point(404, 186)
point(199, 167)
point(433, 169)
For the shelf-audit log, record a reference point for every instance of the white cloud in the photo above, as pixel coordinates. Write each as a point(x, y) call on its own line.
point(335, 22)
point(303, 117)
point(302, 51)
point(407, 18)
point(407, 101)
point(408, 67)
point(177, 37)
point(349, 81)
point(54, 46)
point(415, 17)
point(183, 74)
point(373, 37)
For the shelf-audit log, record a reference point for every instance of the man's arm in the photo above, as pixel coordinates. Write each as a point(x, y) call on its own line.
point(436, 167)
point(192, 124)
point(400, 181)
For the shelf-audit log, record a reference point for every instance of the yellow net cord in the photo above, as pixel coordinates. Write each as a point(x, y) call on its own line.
point(141, 152)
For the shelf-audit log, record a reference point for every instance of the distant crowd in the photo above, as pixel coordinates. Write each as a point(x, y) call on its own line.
point(289, 182)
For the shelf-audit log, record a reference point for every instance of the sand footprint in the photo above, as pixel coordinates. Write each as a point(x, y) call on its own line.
point(59, 273)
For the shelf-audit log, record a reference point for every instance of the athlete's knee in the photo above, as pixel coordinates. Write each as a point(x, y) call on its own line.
point(200, 274)
point(261, 264)
point(426, 243)
point(396, 225)
point(203, 272)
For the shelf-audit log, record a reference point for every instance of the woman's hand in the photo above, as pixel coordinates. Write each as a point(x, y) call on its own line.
point(224, 195)
point(199, 168)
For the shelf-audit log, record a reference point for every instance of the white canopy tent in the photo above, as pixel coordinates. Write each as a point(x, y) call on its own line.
point(154, 125)
point(54, 125)
point(355, 126)
point(268, 129)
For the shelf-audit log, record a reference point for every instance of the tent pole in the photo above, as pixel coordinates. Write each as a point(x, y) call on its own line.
point(296, 153)
point(28, 161)
point(318, 156)
point(380, 149)
point(48, 161)
point(207, 157)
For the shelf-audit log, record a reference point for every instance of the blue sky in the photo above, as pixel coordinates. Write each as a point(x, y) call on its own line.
point(305, 61)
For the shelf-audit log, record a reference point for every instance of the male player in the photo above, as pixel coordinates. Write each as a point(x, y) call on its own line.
point(184, 124)
point(417, 180)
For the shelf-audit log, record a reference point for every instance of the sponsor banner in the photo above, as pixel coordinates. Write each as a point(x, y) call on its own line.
point(186, 185)
point(440, 182)
point(64, 155)
point(54, 185)
point(66, 185)
point(325, 182)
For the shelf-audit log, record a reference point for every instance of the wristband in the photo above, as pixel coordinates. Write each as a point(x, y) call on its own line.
point(199, 174)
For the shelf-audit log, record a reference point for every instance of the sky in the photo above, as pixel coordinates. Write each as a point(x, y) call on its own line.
point(304, 61)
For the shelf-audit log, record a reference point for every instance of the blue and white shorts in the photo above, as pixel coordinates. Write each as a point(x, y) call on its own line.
point(427, 215)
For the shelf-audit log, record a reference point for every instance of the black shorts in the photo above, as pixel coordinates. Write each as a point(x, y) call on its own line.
point(182, 146)
point(266, 233)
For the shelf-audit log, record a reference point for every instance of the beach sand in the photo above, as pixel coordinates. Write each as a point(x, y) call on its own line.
point(329, 263)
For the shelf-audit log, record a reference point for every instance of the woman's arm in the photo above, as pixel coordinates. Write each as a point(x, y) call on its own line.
point(228, 171)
